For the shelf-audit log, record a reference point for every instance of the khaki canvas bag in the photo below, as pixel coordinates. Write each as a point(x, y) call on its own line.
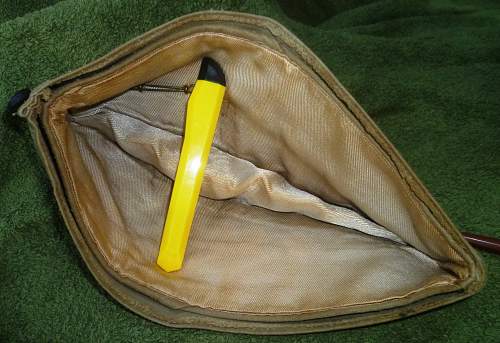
point(308, 220)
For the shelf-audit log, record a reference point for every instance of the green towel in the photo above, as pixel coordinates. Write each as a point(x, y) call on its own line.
point(428, 72)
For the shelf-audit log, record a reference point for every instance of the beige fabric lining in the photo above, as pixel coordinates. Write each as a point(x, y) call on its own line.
point(354, 234)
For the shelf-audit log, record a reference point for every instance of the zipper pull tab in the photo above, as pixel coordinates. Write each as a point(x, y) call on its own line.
point(16, 101)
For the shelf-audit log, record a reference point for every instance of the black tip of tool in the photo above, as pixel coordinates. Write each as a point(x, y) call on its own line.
point(211, 71)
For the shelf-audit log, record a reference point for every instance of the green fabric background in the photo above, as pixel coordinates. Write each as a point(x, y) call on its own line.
point(428, 72)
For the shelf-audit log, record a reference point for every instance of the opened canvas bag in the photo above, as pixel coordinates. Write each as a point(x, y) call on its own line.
point(308, 220)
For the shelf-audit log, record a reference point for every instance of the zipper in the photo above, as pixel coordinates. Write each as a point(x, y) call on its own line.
point(161, 88)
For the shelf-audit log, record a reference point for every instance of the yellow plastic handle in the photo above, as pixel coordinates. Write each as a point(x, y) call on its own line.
point(203, 111)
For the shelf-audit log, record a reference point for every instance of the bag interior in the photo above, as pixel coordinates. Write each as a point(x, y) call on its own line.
point(301, 211)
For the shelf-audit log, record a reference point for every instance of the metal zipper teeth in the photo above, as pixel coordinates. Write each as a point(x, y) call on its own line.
point(162, 88)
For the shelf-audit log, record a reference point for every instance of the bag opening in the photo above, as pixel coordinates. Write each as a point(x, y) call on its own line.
point(301, 210)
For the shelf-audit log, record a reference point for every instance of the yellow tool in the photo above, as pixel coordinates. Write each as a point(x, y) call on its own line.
point(203, 110)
